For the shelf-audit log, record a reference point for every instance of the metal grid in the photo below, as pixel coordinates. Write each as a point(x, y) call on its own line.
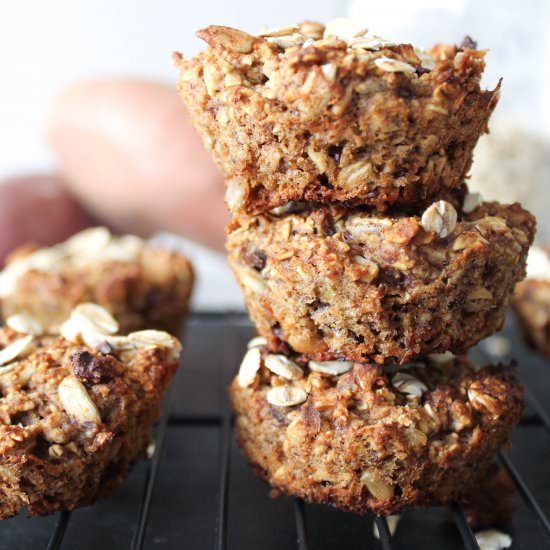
point(239, 513)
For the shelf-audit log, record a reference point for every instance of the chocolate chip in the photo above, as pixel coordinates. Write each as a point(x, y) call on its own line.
point(421, 70)
point(255, 258)
point(467, 42)
point(93, 369)
point(405, 92)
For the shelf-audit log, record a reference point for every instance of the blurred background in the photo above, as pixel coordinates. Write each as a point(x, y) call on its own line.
point(47, 46)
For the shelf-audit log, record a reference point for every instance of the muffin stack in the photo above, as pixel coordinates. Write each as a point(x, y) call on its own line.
point(364, 261)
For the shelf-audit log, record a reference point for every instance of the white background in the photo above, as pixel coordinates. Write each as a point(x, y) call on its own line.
point(48, 44)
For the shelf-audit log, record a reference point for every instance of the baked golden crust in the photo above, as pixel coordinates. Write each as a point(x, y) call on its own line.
point(360, 444)
point(333, 283)
point(142, 286)
point(73, 420)
point(363, 122)
point(531, 303)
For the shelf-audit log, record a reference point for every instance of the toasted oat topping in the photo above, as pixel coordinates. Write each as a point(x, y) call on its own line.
point(96, 327)
point(286, 396)
point(491, 539)
point(409, 384)
point(440, 218)
point(393, 65)
point(250, 366)
point(21, 322)
point(283, 366)
point(16, 349)
point(77, 401)
point(331, 367)
point(89, 246)
point(256, 342)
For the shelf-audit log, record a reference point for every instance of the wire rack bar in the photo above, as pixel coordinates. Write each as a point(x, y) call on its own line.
point(468, 537)
point(525, 492)
point(138, 537)
point(229, 365)
point(534, 403)
point(383, 532)
point(56, 538)
point(192, 421)
point(300, 520)
point(221, 527)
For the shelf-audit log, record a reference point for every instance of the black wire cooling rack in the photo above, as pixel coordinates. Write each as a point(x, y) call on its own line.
point(197, 492)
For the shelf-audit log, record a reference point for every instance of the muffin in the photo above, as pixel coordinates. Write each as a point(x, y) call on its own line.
point(143, 286)
point(74, 417)
point(337, 283)
point(308, 113)
point(531, 301)
point(370, 438)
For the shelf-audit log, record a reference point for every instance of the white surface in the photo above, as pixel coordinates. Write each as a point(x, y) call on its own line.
point(46, 45)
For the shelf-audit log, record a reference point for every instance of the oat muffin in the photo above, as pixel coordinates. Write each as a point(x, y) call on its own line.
point(367, 438)
point(142, 286)
point(531, 301)
point(332, 283)
point(74, 416)
point(327, 115)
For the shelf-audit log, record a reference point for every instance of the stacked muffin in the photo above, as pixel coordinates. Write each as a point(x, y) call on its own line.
point(364, 261)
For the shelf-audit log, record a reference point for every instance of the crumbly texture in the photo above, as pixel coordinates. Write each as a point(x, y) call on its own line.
point(52, 460)
point(361, 445)
point(316, 118)
point(150, 288)
point(531, 304)
point(333, 283)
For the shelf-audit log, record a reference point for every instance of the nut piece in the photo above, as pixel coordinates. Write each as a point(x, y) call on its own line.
point(227, 38)
point(284, 367)
point(257, 342)
point(286, 396)
point(155, 338)
point(491, 539)
point(331, 367)
point(369, 269)
point(15, 349)
point(250, 365)
point(440, 218)
point(378, 488)
point(409, 384)
point(21, 322)
point(76, 401)
point(471, 202)
point(393, 65)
